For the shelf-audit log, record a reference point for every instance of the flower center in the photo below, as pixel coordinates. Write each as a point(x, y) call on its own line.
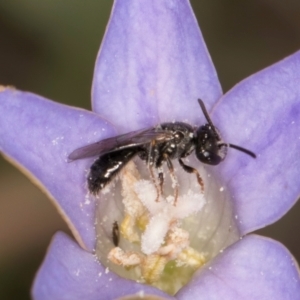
point(162, 238)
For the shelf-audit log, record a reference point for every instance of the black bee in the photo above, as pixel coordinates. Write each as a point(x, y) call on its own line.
point(156, 145)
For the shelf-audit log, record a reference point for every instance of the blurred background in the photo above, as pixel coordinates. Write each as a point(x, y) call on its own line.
point(49, 47)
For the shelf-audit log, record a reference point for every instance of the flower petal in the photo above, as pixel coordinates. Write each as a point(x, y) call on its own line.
point(37, 135)
point(253, 268)
point(262, 113)
point(69, 272)
point(153, 65)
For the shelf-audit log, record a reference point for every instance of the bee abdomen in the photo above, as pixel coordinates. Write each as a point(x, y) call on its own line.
point(106, 167)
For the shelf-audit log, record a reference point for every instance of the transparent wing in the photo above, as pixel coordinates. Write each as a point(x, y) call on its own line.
point(127, 140)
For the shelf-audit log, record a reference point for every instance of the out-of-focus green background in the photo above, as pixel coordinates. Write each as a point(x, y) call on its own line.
point(49, 47)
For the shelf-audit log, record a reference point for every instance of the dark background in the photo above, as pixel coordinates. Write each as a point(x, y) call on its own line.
point(49, 47)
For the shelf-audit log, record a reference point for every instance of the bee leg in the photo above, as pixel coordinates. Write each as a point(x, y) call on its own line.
point(154, 159)
point(192, 170)
point(173, 178)
point(153, 178)
point(161, 179)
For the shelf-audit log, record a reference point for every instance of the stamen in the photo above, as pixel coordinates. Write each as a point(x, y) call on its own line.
point(162, 244)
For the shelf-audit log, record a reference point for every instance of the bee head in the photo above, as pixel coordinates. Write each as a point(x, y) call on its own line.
point(209, 148)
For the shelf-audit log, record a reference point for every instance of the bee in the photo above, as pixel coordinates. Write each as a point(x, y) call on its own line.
point(156, 145)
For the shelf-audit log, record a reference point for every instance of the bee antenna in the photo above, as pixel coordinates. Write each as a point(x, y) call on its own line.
point(208, 119)
point(246, 151)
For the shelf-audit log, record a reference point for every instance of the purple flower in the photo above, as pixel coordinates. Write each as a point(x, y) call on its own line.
point(152, 68)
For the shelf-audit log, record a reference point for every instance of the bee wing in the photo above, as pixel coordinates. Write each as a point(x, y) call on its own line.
point(127, 140)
